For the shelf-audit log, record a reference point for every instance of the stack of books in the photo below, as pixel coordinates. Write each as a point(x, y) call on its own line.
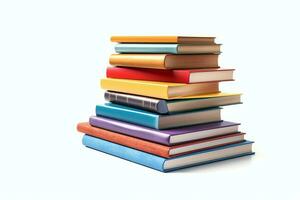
point(163, 104)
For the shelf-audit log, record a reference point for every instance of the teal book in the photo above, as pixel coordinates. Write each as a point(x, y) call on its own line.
point(155, 120)
point(167, 48)
point(169, 164)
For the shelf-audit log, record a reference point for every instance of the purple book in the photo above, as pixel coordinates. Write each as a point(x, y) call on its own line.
point(169, 136)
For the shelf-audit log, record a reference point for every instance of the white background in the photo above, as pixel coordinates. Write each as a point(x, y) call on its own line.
point(53, 54)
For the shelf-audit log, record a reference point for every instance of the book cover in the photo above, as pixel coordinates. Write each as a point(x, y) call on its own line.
point(173, 76)
point(157, 162)
point(160, 136)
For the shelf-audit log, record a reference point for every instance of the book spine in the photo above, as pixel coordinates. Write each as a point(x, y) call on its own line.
point(132, 142)
point(156, 61)
point(135, 87)
point(146, 48)
point(130, 129)
point(173, 76)
point(143, 103)
point(145, 39)
point(123, 113)
point(139, 157)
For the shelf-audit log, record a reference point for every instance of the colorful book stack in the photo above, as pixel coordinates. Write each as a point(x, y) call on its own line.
point(163, 107)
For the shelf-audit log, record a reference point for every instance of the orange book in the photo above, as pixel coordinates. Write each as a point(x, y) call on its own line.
point(165, 61)
point(159, 149)
point(163, 39)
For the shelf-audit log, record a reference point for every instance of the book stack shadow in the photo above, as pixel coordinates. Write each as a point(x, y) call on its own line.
point(163, 105)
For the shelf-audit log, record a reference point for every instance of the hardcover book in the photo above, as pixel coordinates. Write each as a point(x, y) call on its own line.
point(163, 39)
point(168, 48)
point(162, 90)
point(169, 164)
point(171, 106)
point(169, 136)
point(165, 61)
point(159, 149)
point(174, 76)
point(153, 120)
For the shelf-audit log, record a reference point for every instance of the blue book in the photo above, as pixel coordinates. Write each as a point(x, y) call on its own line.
point(167, 48)
point(157, 121)
point(169, 164)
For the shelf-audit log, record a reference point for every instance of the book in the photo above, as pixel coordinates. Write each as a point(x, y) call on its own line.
point(171, 106)
point(165, 61)
point(174, 76)
point(169, 136)
point(169, 164)
point(161, 90)
point(154, 120)
point(168, 48)
point(163, 39)
point(159, 149)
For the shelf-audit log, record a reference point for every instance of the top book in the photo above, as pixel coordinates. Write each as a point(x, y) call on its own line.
point(163, 39)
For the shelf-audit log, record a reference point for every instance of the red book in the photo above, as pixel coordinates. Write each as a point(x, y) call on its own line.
point(174, 76)
point(159, 149)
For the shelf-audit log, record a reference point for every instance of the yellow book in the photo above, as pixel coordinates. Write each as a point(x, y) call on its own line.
point(161, 90)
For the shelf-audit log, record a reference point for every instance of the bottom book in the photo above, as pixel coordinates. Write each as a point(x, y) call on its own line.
point(169, 164)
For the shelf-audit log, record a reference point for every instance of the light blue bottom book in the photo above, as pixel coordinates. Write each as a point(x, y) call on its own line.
point(169, 164)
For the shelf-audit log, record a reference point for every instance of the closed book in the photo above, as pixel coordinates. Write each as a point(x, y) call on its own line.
point(169, 164)
point(175, 76)
point(162, 90)
point(168, 48)
point(163, 106)
point(169, 136)
point(159, 149)
point(163, 39)
point(154, 120)
point(165, 61)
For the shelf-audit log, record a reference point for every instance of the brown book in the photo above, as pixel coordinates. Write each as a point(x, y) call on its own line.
point(164, 39)
point(165, 61)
